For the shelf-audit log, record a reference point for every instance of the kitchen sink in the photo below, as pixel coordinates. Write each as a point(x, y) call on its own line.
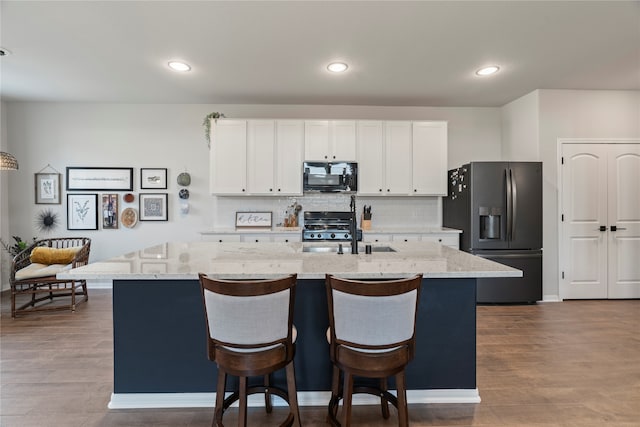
point(346, 248)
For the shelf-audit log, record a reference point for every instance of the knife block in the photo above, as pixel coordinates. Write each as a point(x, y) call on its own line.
point(365, 224)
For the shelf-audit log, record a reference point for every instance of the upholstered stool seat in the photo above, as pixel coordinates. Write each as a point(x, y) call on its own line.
point(250, 333)
point(371, 334)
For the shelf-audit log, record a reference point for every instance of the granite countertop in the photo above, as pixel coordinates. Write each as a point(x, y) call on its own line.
point(184, 260)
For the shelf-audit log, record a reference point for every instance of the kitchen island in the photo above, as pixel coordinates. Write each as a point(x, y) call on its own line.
point(160, 357)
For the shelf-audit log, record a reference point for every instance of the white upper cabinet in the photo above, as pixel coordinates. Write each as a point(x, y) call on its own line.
point(261, 156)
point(398, 162)
point(399, 158)
point(370, 157)
point(257, 157)
point(264, 157)
point(289, 157)
point(228, 157)
point(329, 140)
point(430, 158)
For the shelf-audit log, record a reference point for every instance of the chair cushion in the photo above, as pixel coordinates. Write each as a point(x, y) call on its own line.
point(35, 270)
point(48, 256)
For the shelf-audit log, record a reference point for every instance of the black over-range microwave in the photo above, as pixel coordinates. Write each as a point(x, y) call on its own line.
point(330, 177)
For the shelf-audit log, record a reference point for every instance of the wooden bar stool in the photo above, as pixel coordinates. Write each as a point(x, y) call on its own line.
point(371, 334)
point(250, 332)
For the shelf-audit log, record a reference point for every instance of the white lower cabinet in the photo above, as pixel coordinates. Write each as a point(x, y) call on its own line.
point(376, 237)
point(451, 240)
point(270, 237)
point(221, 237)
point(253, 237)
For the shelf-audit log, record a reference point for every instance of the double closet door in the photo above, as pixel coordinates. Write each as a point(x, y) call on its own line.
point(600, 220)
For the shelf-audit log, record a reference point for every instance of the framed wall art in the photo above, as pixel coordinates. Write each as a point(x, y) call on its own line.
point(253, 219)
point(153, 206)
point(153, 178)
point(82, 211)
point(109, 211)
point(47, 188)
point(99, 178)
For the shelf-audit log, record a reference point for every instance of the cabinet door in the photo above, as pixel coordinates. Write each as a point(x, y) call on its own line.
point(228, 157)
point(453, 241)
point(316, 140)
point(370, 157)
point(343, 140)
point(376, 237)
point(430, 158)
point(261, 142)
point(406, 237)
point(398, 163)
point(221, 238)
point(289, 157)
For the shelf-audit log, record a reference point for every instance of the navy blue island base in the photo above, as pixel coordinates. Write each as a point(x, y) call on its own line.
point(160, 338)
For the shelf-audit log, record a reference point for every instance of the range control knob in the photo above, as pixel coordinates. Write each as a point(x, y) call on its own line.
point(333, 236)
point(312, 235)
point(346, 235)
point(319, 236)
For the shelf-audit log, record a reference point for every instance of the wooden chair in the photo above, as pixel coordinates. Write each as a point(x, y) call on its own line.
point(33, 274)
point(250, 332)
point(371, 335)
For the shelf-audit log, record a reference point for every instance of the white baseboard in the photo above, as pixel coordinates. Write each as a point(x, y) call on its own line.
point(305, 398)
point(551, 298)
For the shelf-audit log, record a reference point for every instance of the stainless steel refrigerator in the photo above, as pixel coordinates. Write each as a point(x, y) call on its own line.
point(498, 207)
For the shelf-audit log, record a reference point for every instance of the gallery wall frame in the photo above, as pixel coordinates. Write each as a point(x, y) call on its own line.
point(47, 186)
point(110, 211)
point(153, 178)
point(82, 211)
point(153, 207)
point(99, 179)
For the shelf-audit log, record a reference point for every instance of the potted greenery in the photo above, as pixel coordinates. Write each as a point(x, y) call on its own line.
point(207, 125)
point(18, 246)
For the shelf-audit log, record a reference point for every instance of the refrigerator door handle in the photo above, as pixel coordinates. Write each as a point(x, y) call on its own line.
point(514, 204)
point(509, 203)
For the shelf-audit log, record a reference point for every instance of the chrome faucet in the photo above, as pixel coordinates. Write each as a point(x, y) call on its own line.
point(353, 227)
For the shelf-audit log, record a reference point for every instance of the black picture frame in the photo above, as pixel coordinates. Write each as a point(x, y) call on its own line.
point(82, 211)
point(153, 178)
point(153, 207)
point(99, 179)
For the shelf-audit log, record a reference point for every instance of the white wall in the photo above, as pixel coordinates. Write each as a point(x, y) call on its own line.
point(554, 114)
point(171, 136)
point(520, 123)
point(576, 114)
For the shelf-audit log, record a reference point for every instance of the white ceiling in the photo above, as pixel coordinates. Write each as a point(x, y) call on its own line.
point(418, 53)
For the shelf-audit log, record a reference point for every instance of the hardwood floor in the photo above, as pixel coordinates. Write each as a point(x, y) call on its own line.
point(571, 364)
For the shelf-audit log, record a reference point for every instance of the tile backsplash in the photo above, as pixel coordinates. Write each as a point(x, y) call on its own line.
point(387, 212)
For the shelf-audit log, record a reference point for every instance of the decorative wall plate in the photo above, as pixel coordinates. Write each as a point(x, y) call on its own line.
point(129, 217)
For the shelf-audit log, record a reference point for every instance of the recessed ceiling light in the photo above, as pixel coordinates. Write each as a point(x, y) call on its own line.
point(487, 71)
point(337, 67)
point(179, 66)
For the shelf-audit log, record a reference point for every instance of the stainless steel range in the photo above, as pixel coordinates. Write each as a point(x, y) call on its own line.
point(328, 226)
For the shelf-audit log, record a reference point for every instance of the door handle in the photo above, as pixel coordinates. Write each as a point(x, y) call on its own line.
point(603, 228)
point(615, 228)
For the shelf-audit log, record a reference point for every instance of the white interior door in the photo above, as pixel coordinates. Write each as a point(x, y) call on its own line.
point(624, 221)
point(584, 207)
point(600, 204)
